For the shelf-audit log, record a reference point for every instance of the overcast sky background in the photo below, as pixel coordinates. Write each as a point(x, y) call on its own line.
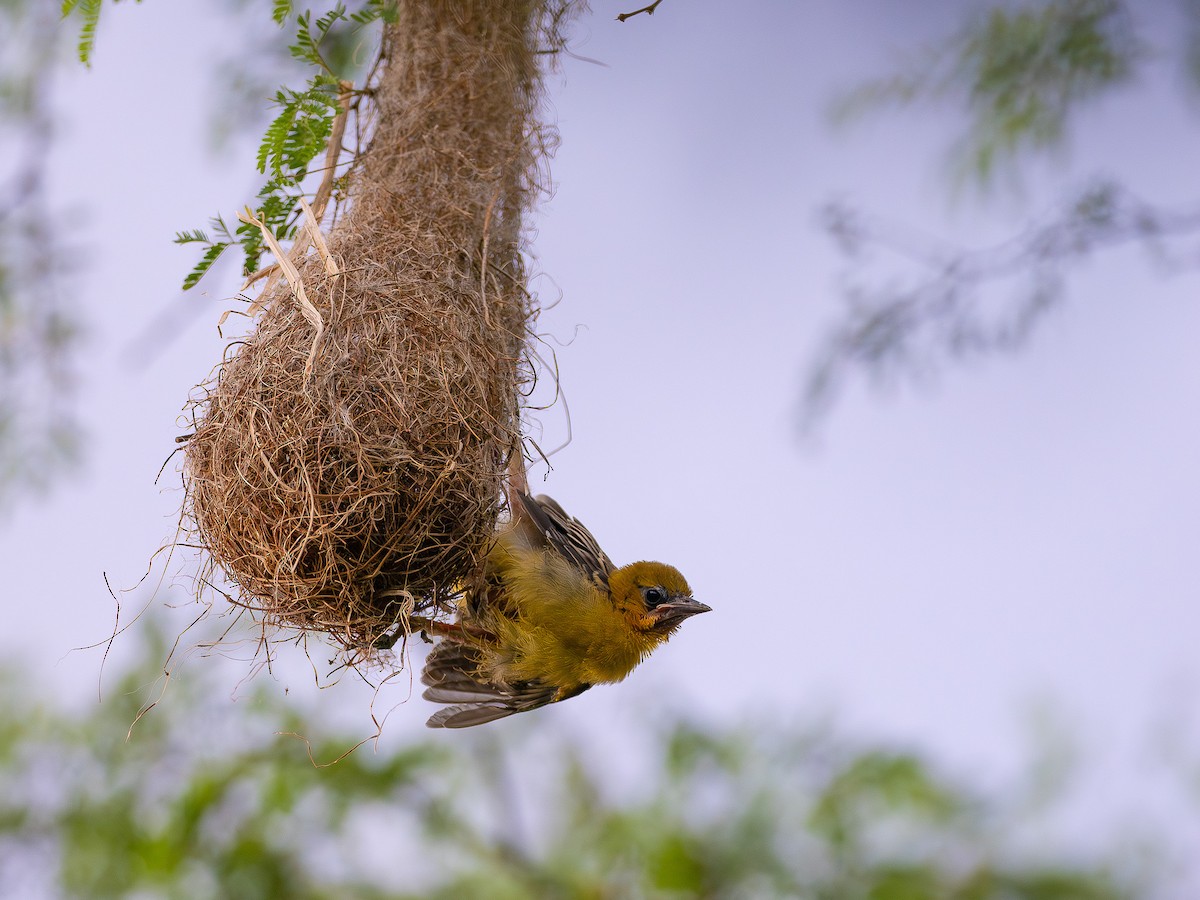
point(1018, 534)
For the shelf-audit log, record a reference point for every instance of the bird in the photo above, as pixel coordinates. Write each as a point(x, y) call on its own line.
point(553, 617)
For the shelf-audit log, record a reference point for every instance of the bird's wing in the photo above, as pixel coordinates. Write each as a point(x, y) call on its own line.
point(550, 525)
point(452, 675)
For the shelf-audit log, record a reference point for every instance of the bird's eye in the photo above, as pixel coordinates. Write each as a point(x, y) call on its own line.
point(654, 596)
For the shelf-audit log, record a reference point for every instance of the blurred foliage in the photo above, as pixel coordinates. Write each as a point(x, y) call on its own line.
point(208, 798)
point(943, 303)
point(39, 433)
point(1021, 74)
point(88, 13)
point(1191, 43)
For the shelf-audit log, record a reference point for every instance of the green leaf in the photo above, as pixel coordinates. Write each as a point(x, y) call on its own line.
point(206, 261)
point(299, 133)
point(217, 223)
point(307, 46)
point(1022, 72)
point(325, 22)
point(376, 10)
point(90, 11)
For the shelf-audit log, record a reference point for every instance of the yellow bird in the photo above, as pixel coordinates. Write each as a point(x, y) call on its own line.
point(554, 617)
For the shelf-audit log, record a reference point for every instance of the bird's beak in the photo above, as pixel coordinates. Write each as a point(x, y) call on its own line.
point(669, 616)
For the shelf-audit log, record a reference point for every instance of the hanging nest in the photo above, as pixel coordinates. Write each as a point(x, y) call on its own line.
point(347, 460)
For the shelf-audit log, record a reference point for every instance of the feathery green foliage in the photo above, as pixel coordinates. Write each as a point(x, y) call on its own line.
point(1019, 73)
point(330, 44)
point(89, 13)
point(299, 133)
point(208, 798)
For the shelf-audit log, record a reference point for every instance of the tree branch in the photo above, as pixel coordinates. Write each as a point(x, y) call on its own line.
point(648, 10)
point(947, 303)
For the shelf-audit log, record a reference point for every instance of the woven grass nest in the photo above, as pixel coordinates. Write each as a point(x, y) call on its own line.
point(348, 458)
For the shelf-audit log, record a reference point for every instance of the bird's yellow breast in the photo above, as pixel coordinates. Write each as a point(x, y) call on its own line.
point(555, 625)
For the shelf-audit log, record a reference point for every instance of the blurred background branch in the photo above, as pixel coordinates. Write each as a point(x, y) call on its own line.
point(39, 328)
point(1021, 76)
point(89, 808)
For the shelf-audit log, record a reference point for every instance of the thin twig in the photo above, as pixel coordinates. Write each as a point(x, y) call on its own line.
point(648, 10)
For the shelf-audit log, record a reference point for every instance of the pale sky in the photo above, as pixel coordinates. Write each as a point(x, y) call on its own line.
point(1015, 534)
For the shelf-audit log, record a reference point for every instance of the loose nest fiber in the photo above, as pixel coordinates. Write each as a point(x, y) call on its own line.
point(346, 468)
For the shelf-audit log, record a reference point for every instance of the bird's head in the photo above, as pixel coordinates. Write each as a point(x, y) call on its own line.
point(654, 598)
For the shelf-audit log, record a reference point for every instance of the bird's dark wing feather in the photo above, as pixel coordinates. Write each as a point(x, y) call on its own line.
point(566, 535)
point(467, 714)
point(452, 675)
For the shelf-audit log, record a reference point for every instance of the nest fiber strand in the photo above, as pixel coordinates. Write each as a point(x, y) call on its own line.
point(341, 499)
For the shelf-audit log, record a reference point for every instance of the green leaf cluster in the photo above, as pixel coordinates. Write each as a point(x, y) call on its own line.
point(1029, 69)
point(88, 12)
point(330, 44)
point(327, 45)
point(207, 798)
point(1019, 74)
